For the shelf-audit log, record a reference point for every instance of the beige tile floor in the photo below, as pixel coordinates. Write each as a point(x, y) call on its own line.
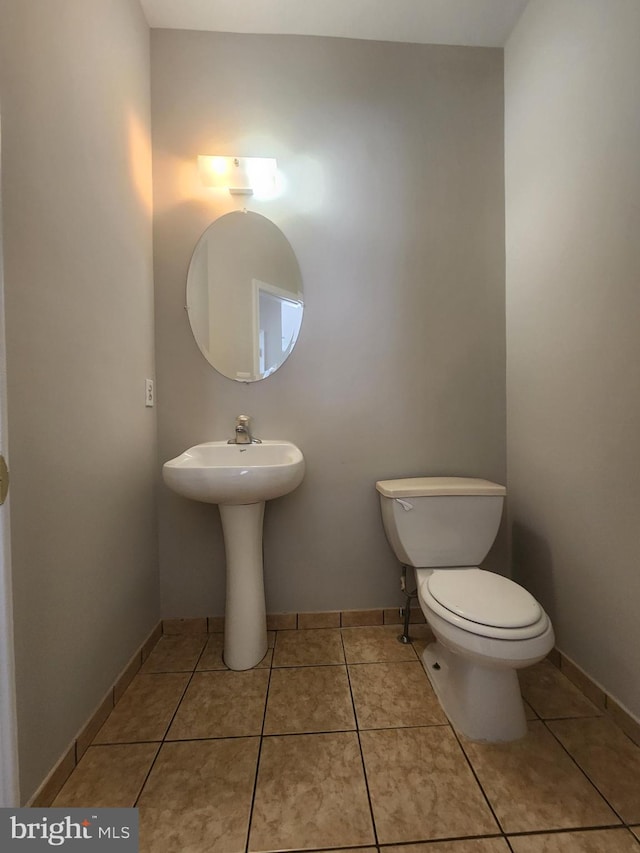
point(336, 742)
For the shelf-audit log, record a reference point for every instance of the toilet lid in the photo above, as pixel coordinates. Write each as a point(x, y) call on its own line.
point(484, 598)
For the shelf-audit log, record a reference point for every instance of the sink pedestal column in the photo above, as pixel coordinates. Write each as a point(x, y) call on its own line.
point(245, 618)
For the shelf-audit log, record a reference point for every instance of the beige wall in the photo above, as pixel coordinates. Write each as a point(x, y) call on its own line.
point(573, 302)
point(74, 95)
point(393, 156)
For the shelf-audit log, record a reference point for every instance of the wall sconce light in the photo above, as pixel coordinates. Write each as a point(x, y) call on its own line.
point(240, 175)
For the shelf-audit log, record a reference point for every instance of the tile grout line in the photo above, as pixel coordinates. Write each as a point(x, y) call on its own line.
point(584, 772)
point(390, 847)
point(502, 833)
point(566, 830)
point(148, 773)
point(569, 830)
point(482, 790)
point(556, 831)
point(166, 731)
point(264, 719)
point(355, 717)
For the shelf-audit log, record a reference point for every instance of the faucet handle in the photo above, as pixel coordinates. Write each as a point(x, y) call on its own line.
point(243, 433)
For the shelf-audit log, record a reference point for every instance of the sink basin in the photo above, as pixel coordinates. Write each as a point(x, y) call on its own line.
point(219, 473)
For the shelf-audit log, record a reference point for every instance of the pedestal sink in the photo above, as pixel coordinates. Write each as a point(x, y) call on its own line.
point(239, 478)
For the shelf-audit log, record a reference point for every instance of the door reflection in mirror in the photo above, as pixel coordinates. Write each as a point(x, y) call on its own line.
point(278, 320)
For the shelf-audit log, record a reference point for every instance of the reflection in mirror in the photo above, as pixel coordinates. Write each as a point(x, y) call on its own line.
point(244, 296)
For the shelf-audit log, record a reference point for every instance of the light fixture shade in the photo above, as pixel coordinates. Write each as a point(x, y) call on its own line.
point(240, 175)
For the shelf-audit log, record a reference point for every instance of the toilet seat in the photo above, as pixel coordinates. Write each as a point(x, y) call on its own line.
point(484, 597)
point(482, 603)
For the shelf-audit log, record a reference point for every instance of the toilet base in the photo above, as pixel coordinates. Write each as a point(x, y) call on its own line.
point(482, 703)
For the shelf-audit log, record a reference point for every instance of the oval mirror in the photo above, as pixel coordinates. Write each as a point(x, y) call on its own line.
point(244, 296)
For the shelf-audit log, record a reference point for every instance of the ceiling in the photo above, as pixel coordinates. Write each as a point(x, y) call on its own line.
point(480, 23)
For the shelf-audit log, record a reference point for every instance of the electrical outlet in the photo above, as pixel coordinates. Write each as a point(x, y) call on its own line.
point(149, 396)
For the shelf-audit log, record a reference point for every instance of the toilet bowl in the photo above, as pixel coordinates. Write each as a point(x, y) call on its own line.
point(486, 626)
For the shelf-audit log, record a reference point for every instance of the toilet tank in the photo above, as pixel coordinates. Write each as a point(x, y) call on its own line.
point(440, 522)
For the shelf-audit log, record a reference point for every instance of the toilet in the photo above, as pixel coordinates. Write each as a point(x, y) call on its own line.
point(486, 626)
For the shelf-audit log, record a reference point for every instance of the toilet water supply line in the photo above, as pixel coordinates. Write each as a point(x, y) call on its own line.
point(404, 637)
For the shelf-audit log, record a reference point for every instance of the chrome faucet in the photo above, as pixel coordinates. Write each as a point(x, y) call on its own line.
point(243, 433)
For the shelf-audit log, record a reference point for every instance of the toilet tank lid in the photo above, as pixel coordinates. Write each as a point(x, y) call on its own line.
point(417, 487)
